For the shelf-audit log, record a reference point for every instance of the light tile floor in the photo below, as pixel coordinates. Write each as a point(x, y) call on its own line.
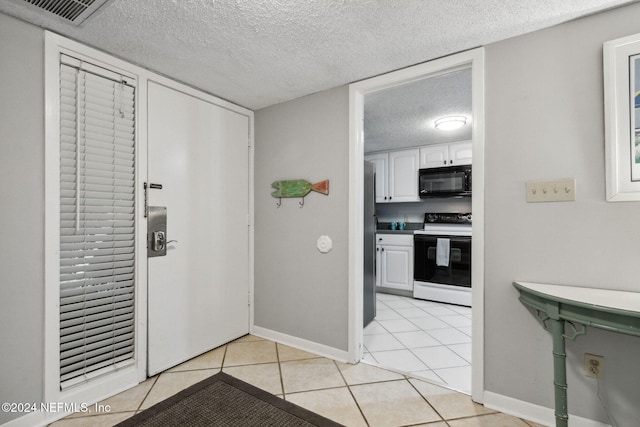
point(425, 339)
point(353, 395)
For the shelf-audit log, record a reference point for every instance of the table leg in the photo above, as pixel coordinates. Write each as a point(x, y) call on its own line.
point(559, 372)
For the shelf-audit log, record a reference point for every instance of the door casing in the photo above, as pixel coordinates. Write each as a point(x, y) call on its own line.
point(111, 385)
point(473, 59)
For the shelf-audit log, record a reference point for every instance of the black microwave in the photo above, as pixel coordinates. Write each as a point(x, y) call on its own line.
point(448, 181)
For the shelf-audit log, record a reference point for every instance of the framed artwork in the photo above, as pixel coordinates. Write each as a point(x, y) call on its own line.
point(622, 118)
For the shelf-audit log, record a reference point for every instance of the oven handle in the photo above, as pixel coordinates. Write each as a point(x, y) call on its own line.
point(427, 237)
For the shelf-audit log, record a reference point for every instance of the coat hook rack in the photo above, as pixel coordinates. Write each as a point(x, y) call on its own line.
point(298, 188)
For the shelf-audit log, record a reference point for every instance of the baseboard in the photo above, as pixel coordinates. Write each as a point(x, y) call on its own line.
point(301, 344)
point(35, 419)
point(531, 412)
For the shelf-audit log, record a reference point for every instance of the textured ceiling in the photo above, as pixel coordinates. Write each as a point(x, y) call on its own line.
point(404, 116)
point(261, 52)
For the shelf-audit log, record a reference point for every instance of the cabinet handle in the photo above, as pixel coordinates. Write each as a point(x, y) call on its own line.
point(382, 249)
point(445, 162)
point(450, 162)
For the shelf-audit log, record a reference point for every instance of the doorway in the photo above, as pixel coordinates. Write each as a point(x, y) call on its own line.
point(473, 59)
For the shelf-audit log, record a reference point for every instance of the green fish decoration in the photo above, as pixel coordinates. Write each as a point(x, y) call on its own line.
point(298, 188)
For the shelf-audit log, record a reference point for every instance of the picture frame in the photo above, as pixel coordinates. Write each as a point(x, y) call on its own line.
point(622, 118)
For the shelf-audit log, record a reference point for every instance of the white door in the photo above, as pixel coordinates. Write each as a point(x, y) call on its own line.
point(198, 292)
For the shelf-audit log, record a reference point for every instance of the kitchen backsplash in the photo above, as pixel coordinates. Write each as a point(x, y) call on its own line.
point(414, 212)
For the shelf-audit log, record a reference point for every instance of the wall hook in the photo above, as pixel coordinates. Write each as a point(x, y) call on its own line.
point(301, 203)
point(279, 202)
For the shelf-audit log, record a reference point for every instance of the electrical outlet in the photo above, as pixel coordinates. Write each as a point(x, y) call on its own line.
point(559, 190)
point(593, 366)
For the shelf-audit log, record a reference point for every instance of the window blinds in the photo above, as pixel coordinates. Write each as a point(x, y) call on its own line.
point(97, 177)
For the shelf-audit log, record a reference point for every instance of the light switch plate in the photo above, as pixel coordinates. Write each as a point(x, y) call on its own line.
point(559, 190)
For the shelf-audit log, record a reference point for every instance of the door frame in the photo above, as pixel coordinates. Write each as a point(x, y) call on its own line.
point(122, 379)
point(107, 385)
point(473, 59)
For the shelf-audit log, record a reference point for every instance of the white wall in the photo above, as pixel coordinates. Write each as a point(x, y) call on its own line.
point(545, 120)
point(22, 212)
point(298, 290)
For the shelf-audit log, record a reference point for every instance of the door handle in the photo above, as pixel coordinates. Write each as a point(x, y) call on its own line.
point(157, 231)
point(159, 241)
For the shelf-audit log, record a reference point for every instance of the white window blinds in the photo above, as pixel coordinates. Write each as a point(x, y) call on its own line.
point(97, 182)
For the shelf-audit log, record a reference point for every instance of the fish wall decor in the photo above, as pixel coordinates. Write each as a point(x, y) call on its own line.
point(298, 188)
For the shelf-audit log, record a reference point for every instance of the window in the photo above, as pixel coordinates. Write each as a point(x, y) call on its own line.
point(97, 221)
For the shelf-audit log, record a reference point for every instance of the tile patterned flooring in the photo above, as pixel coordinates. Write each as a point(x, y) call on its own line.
point(425, 339)
point(353, 395)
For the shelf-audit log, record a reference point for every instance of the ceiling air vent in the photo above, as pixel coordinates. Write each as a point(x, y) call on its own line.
point(74, 11)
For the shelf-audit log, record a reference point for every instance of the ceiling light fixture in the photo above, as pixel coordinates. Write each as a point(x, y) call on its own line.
point(450, 122)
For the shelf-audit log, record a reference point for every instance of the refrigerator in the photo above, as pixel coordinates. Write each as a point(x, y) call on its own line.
point(369, 274)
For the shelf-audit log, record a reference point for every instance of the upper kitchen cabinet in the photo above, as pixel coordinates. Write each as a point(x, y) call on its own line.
point(396, 175)
point(403, 175)
point(381, 163)
point(452, 154)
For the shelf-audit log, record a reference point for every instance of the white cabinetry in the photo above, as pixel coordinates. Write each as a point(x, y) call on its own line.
point(403, 176)
point(396, 175)
point(439, 155)
point(394, 261)
point(381, 163)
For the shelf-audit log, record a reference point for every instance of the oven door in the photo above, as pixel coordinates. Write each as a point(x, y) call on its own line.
point(434, 264)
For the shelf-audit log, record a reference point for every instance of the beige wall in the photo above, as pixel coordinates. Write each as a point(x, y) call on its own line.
point(545, 120)
point(298, 290)
point(22, 212)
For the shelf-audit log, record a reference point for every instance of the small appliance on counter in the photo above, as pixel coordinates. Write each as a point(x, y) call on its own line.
point(442, 258)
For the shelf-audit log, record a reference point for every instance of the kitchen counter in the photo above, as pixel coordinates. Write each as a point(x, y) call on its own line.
point(385, 228)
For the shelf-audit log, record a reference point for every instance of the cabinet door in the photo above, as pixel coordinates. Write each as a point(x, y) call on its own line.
point(460, 153)
point(396, 265)
point(434, 156)
point(403, 175)
point(381, 163)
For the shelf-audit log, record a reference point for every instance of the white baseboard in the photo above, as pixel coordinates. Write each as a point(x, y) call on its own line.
point(301, 344)
point(531, 412)
point(35, 419)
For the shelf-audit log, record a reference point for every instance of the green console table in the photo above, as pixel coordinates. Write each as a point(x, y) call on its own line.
point(566, 311)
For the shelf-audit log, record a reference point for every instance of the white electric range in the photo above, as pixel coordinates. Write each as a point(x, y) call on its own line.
point(442, 258)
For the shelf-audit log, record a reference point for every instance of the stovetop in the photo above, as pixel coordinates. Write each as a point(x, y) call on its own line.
point(447, 218)
point(454, 224)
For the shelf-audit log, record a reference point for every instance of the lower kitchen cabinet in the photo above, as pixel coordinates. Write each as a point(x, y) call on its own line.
point(394, 261)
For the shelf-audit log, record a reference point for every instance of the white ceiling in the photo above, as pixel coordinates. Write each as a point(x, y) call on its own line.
point(262, 52)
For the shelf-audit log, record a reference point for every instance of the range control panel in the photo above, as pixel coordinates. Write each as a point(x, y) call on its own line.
point(447, 218)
